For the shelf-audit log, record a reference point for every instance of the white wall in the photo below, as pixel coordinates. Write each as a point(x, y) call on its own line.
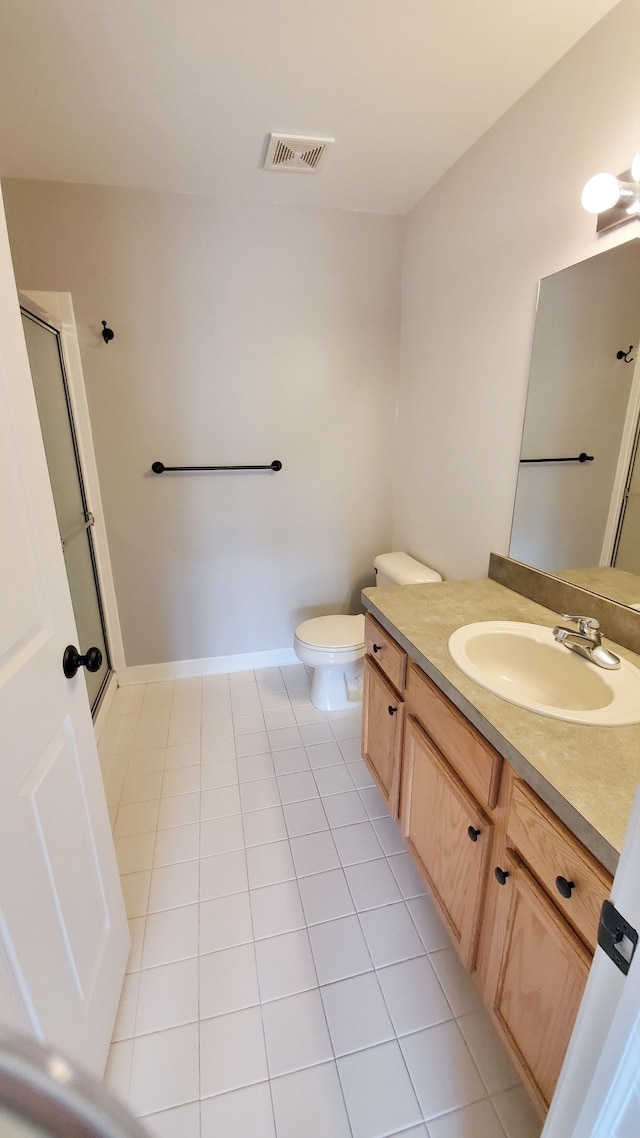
point(244, 333)
point(504, 216)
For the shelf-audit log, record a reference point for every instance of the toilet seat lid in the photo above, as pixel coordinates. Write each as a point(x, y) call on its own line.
point(332, 631)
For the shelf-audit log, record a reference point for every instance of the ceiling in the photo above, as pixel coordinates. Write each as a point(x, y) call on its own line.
point(180, 95)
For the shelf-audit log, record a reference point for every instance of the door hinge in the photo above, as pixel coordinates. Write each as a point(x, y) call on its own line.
point(617, 937)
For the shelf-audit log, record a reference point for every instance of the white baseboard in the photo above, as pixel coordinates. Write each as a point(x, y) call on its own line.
point(210, 666)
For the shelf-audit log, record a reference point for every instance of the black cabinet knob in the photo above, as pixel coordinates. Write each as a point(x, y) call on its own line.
point(377, 647)
point(501, 875)
point(392, 710)
point(72, 660)
point(565, 888)
point(473, 833)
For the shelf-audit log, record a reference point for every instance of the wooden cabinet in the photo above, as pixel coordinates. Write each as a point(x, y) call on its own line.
point(463, 812)
point(541, 968)
point(545, 926)
point(449, 835)
point(382, 733)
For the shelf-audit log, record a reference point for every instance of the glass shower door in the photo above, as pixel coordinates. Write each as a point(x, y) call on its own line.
point(74, 518)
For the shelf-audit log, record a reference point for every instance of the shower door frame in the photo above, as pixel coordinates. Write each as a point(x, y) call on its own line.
point(56, 309)
point(624, 470)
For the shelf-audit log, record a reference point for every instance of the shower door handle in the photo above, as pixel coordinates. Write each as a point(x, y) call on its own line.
point(72, 660)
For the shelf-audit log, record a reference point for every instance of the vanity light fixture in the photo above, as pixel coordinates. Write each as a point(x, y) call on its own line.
point(615, 200)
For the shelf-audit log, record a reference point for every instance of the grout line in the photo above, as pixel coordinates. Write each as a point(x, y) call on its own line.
point(115, 819)
point(255, 959)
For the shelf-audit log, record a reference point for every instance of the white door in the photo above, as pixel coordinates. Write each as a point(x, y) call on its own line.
point(598, 1093)
point(63, 932)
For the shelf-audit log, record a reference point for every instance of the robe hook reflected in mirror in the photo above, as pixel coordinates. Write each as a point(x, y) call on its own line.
point(107, 333)
point(625, 355)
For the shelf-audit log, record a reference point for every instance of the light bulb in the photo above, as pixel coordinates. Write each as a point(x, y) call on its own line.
point(601, 192)
point(635, 168)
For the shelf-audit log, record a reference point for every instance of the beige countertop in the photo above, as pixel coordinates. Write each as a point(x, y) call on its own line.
point(587, 775)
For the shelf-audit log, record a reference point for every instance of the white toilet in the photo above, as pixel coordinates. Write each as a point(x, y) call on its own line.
point(334, 645)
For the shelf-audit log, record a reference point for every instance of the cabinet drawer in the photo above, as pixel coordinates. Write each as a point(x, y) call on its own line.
point(389, 656)
point(470, 755)
point(551, 851)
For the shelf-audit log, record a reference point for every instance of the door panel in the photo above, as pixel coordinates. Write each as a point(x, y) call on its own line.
point(52, 792)
point(63, 933)
point(21, 608)
point(16, 1010)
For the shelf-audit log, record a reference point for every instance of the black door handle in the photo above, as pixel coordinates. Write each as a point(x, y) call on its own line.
point(392, 710)
point(377, 647)
point(72, 660)
point(501, 875)
point(473, 834)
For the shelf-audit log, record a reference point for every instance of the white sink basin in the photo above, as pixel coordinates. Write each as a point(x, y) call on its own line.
point(526, 666)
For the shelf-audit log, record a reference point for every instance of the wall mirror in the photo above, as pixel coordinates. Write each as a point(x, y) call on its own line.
point(577, 504)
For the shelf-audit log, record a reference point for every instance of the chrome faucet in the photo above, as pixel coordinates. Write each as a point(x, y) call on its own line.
point(587, 641)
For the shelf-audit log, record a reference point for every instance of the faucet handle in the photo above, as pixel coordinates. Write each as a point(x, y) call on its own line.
point(585, 624)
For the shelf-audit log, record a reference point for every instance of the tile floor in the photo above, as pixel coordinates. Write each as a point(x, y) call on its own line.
point(288, 975)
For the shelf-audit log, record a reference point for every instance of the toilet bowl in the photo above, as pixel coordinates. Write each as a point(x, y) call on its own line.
point(334, 645)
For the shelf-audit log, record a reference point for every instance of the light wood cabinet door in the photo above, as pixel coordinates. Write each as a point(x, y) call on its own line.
point(448, 834)
point(539, 981)
point(382, 720)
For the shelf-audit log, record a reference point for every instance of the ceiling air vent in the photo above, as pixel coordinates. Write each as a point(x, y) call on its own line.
point(290, 152)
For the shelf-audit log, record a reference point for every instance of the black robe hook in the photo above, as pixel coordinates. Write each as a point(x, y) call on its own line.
point(108, 334)
point(625, 355)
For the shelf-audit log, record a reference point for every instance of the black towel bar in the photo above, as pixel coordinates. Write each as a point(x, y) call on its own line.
point(159, 467)
point(582, 457)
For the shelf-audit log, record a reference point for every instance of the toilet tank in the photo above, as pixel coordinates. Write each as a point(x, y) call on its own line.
point(400, 569)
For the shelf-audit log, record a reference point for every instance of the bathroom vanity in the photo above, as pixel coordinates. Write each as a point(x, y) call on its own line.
point(515, 821)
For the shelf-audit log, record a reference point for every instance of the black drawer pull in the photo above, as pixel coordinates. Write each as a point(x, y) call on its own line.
point(473, 833)
point(565, 888)
point(501, 875)
point(377, 647)
point(392, 710)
